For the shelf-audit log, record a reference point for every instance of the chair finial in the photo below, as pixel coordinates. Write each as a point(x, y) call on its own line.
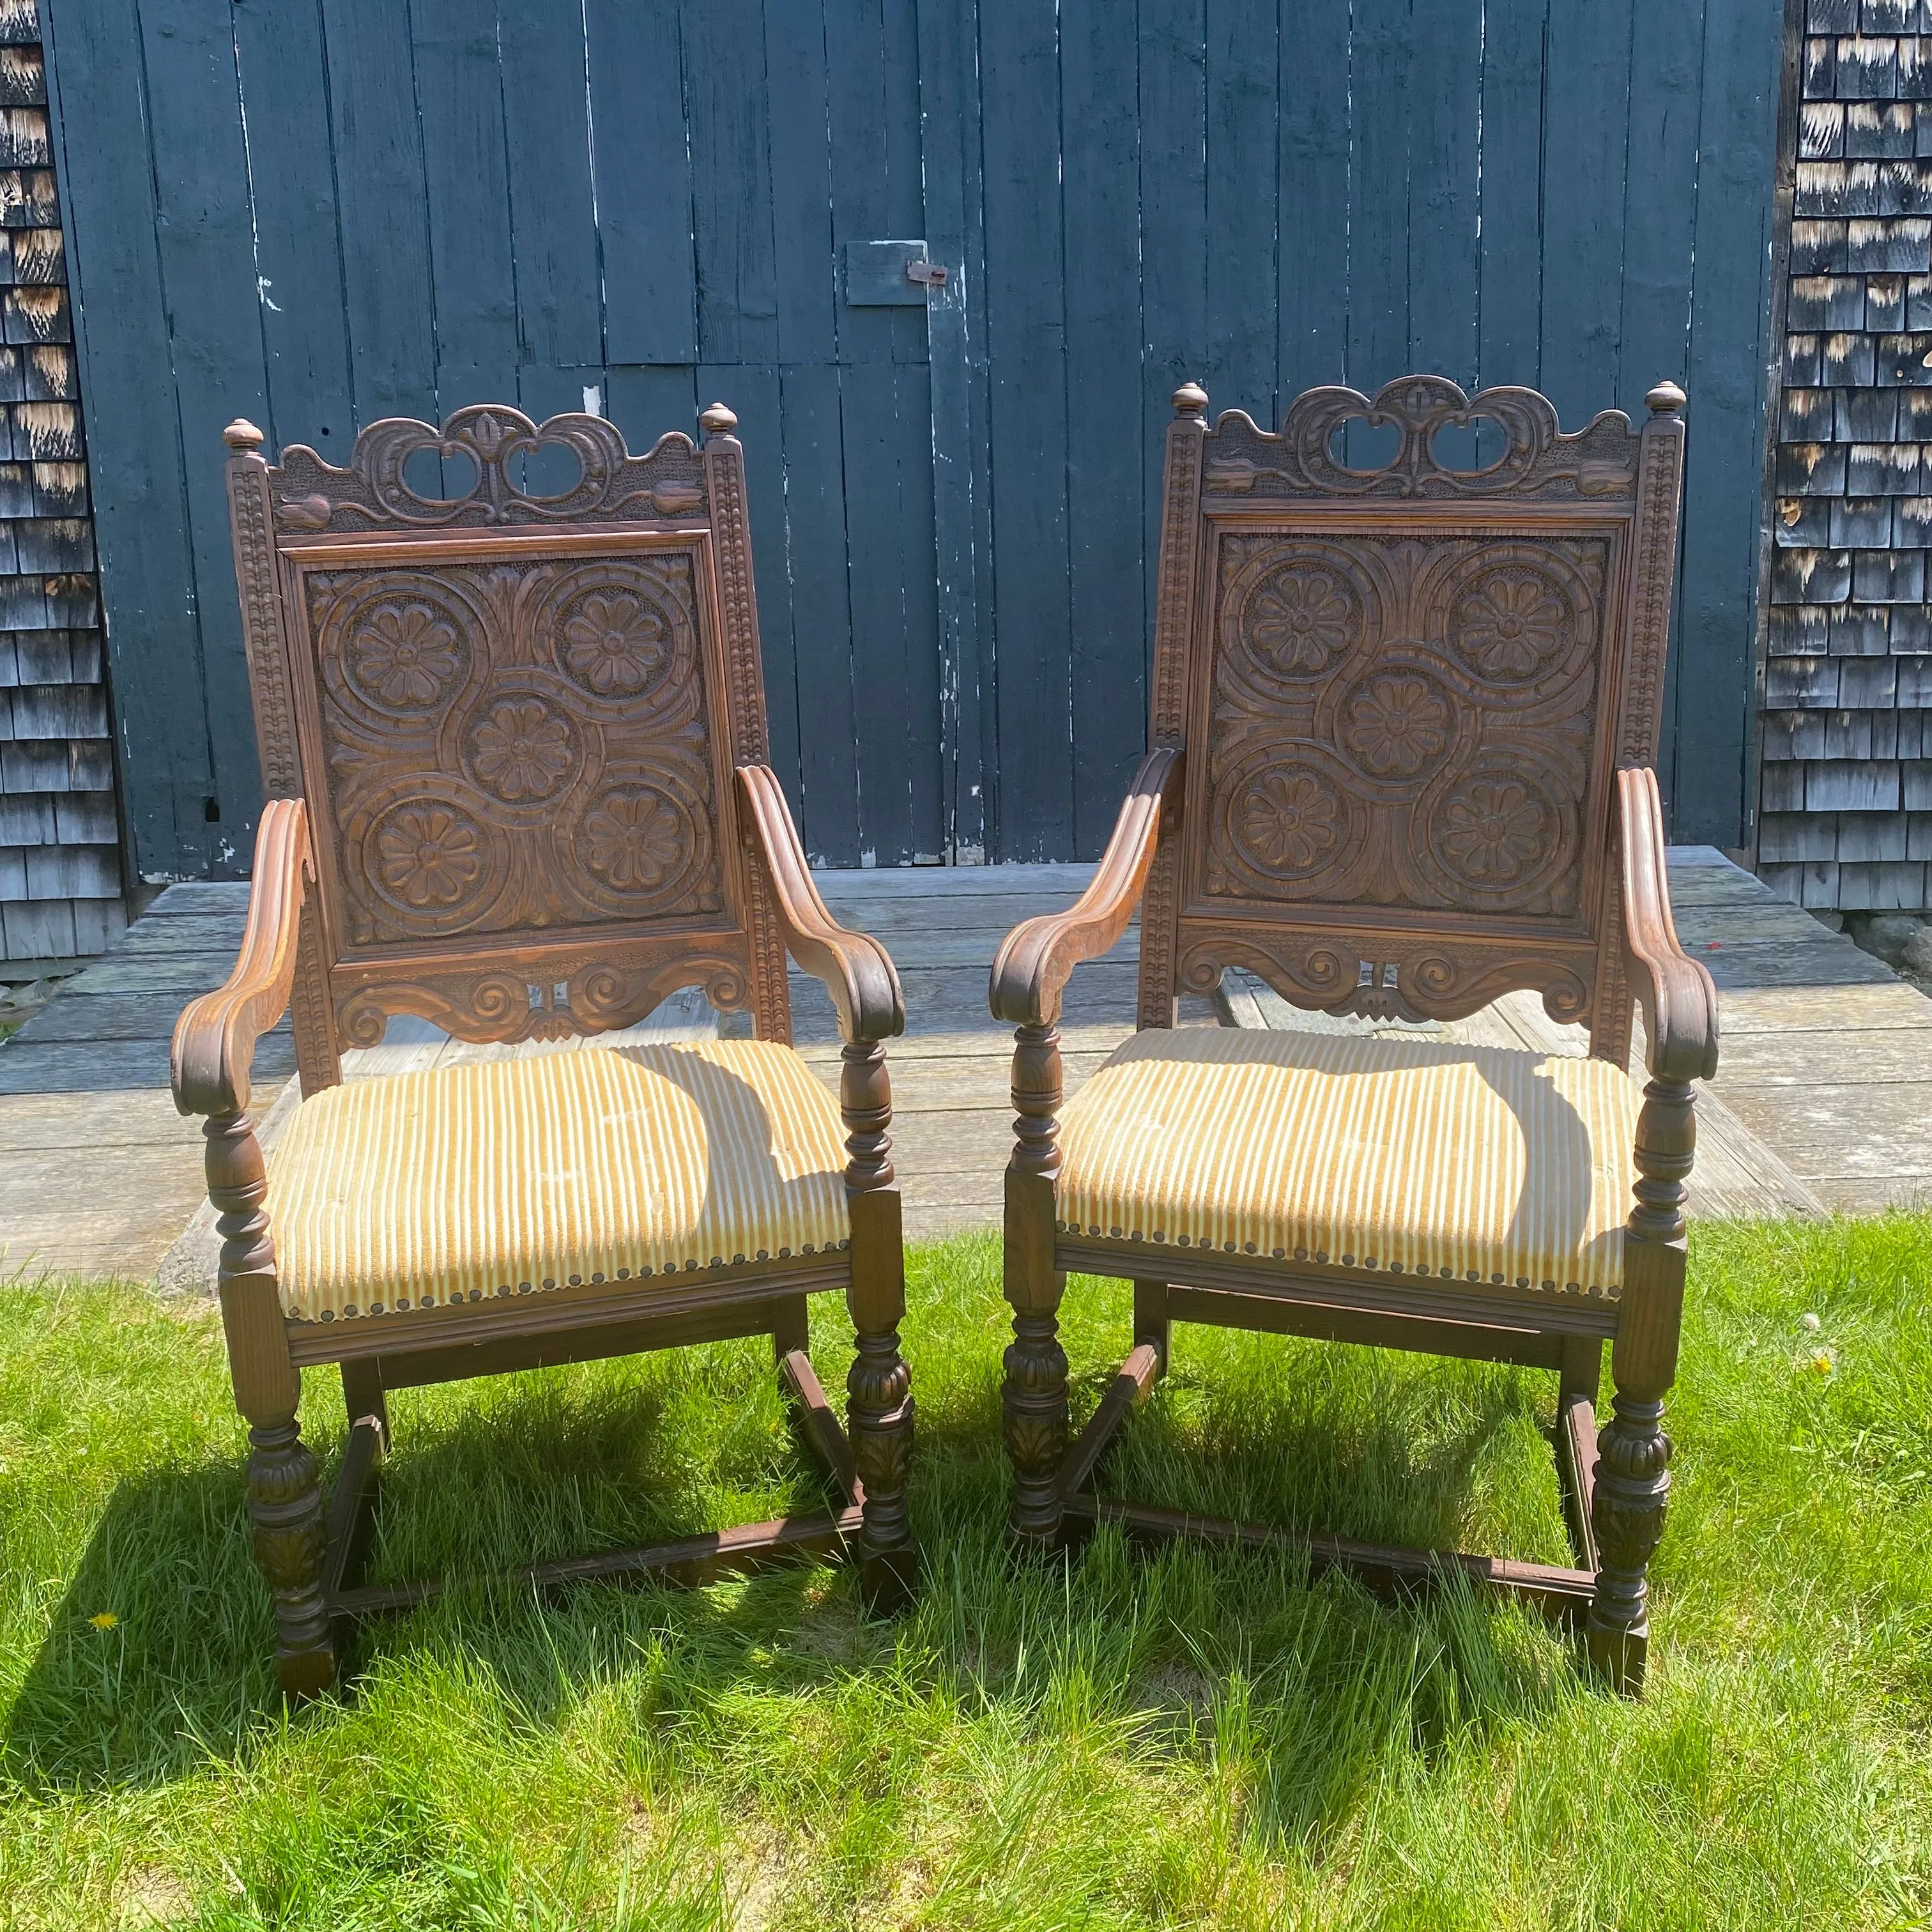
point(242, 436)
point(1190, 399)
point(718, 421)
point(1665, 400)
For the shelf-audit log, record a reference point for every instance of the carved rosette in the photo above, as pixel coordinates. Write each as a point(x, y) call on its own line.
point(513, 748)
point(1402, 722)
point(1510, 623)
point(1290, 612)
point(1289, 817)
point(427, 856)
point(613, 639)
point(639, 838)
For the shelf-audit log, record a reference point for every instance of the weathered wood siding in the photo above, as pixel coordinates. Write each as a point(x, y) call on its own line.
point(422, 207)
point(60, 856)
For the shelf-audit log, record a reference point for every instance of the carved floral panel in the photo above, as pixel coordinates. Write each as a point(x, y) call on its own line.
point(515, 747)
point(1403, 722)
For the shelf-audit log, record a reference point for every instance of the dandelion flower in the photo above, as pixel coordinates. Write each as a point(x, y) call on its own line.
point(1809, 1324)
point(1822, 1361)
point(105, 1620)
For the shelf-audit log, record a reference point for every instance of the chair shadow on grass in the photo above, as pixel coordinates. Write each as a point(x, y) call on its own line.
point(159, 1652)
point(528, 1467)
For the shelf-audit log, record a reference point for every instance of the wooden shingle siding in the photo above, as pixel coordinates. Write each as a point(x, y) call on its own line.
point(61, 888)
point(1846, 806)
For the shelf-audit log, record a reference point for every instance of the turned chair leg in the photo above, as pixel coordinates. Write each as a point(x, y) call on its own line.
point(285, 1504)
point(879, 1407)
point(285, 1512)
point(1632, 1478)
point(1033, 1402)
point(1033, 1399)
point(1633, 1490)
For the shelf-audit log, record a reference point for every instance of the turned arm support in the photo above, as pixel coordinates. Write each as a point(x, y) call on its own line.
point(1680, 1017)
point(856, 970)
point(215, 1036)
point(1032, 968)
point(1678, 1001)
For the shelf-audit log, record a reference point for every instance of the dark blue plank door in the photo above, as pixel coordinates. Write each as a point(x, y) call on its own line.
point(320, 213)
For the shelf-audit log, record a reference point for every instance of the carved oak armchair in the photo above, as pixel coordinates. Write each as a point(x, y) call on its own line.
point(515, 747)
point(1404, 721)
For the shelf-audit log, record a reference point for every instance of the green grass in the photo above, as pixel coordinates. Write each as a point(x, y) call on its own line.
point(1174, 1740)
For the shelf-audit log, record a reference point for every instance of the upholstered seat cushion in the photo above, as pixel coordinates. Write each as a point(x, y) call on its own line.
point(515, 1176)
point(1473, 1164)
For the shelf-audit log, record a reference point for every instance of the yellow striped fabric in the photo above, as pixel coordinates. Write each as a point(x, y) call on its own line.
point(1464, 1163)
point(514, 1176)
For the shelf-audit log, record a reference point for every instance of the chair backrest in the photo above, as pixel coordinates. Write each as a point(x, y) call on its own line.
point(515, 718)
point(1403, 692)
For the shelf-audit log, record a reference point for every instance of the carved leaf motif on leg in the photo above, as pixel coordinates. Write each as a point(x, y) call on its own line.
point(285, 1511)
point(879, 1412)
point(1034, 1405)
point(1632, 1498)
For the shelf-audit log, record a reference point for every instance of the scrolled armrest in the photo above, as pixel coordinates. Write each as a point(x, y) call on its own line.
point(856, 970)
point(1678, 999)
point(215, 1036)
point(1031, 969)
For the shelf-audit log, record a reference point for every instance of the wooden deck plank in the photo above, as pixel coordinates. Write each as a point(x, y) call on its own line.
point(186, 932)
point(83, 1015)
point(1777, 962)
point(182, 974)
point(953, 1000)
point(867, 885)
point(1874, 1197)
point(889, 918)
point(1738, 1173)
point(1704, 885)
point(1779, 1010)
point(71, 1258)
point(133, 1117)
point(204, 896)
point(1797, 1057)
point(1867, 1130)
point(1728, 923)
point(918, 949)
point(111, 1066)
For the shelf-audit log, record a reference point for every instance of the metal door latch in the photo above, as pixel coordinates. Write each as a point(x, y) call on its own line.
point(890, 274)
